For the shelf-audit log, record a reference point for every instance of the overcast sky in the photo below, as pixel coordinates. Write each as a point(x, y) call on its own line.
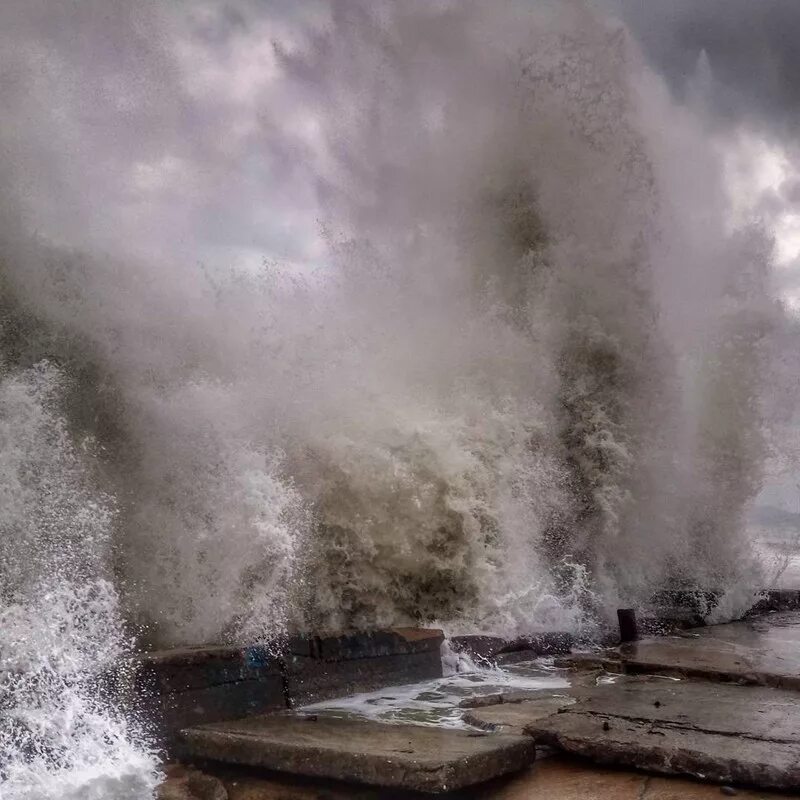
point(160, 128)
point(748, 57)
point(752, 46)
point(162, 125)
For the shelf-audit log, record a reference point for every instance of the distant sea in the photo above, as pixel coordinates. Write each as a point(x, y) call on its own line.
point(777, 534)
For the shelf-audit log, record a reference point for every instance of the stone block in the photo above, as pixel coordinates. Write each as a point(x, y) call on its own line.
point(186, 686)
point(312, 680)
point(726, 733)
point(402, 756)
point(368, 644)
point(496, 648)
point(181, 669)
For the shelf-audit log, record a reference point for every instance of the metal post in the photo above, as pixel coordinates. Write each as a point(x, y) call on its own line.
point(628, 629)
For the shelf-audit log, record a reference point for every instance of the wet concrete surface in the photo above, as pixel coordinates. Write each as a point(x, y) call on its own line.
point(406, 756)
point(515, 717)
point(187, 686)
point(511, 711)
point(761, 651)
point(726, 733)
point(321, 668)
point(188, 783)
point(730, 714)
point(556, 778)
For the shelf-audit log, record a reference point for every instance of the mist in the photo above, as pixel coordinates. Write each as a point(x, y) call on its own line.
point(373, 315)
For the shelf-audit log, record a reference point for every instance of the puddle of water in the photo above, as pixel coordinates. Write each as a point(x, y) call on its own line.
point(436, 702)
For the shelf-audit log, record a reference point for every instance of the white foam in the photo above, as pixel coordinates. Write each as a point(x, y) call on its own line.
point(436, 702)
point(60, 628)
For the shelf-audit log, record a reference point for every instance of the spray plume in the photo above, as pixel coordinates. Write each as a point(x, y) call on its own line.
point(516, 386)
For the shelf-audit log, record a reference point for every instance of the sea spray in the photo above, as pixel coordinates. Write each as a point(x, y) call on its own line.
point(483, 404)
point(516, 380)
point(527, 208)
point(60, 625)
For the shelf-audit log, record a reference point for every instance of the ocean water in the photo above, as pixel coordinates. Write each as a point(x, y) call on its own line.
point(518, 383)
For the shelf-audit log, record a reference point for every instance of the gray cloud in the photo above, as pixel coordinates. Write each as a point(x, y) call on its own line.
point(752, 48)
point(153, 128)
point(122, 121)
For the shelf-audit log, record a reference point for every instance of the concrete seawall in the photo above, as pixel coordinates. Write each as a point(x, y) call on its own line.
point(179, 688)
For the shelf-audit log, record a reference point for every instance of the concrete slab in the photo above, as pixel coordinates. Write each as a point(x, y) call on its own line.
point(491, 648)
point(515, 717)
point(763, 651)
point(409, 757)
point(312, 680)
point(718, 732)
point(549, 779)
point(186, 686)
point(323, 668)
point(367, 644)
point(181, 687)
point(512, 710)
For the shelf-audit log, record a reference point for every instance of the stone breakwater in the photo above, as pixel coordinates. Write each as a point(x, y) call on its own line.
point(174, 689)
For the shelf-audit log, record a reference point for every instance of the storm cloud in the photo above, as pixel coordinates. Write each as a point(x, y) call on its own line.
point(153, 130)
point(165, 130)
point(751, 48)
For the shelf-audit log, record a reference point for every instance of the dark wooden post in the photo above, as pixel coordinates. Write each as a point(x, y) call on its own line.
point(628, 629)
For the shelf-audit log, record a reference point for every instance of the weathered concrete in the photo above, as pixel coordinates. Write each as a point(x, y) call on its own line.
point(320, 669)
point(719, 732)
point(187, 783)
point(515, 717)
point(738, 732)
point(185, 668)
point(405, 756)
point(548, 779)
point(369, 644)
point(186, 686)
point(511, 710)
point(493, 648)
point(311, 681)
point(579, 683)
point(762, 651)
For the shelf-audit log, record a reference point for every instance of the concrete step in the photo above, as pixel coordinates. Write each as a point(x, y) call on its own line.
point(321, 668)
point(486, 648)
point(718, 732)
point(763, 651)
point(408, 757)
point(177, 688)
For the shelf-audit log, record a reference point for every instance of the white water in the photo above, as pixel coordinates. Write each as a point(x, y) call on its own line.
point(59, 614)
point(520, 388)
point(436, 703)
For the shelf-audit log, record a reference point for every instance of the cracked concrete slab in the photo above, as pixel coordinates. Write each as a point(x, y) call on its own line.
point(510, 711)
point(718, 732)
point(514, 717)
point(410, 757)
point(763, 651)
point(549, 779)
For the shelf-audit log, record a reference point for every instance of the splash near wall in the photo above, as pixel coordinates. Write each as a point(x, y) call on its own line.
point(60, 615)
point(518, 389)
